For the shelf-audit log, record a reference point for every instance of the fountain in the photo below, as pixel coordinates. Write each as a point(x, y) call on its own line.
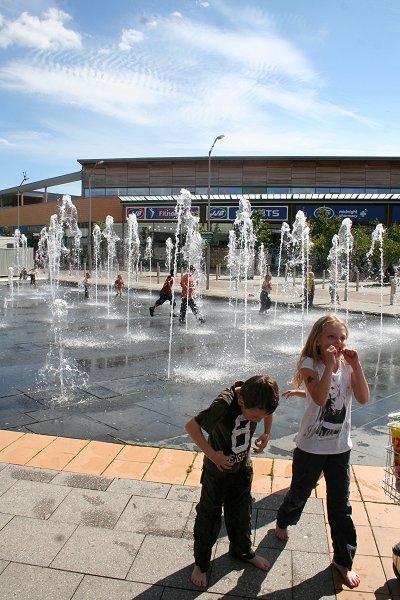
point(132, 246)
point(112, 239)
point(144, 392)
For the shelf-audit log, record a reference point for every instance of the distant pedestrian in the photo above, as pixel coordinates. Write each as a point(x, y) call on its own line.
point(86, 284)
point(188, 285)
point(265, 300)
point(165, 294)
point(24, 274)
point(119, 286)
point(33, 277)
point(309, 288)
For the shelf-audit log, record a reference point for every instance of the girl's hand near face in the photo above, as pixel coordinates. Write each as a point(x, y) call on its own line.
point(351, 357)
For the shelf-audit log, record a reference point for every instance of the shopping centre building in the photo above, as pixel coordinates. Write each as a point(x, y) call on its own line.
point(365, 189)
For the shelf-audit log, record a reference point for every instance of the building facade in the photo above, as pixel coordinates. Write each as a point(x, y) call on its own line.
point(365, 189)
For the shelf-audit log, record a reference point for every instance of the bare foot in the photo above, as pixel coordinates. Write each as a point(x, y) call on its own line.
point(351, 578)
point(260, 562)
point(281, 534)
point(198, 578)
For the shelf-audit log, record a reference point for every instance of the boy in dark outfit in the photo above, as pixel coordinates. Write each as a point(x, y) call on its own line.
point(230, 422)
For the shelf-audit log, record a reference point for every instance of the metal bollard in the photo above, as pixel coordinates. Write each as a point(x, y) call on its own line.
point(158, 272)
point(357, 280)
point(323, 279)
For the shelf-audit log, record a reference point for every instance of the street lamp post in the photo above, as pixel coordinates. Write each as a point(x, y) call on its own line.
point(219, 137)
point(99, 162)
point(24, 178)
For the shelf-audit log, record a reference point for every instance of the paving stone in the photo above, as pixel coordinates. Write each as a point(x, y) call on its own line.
point(4, 519)
point(32, 473)
point(312, 576)
point(95, 551)
point(101, 588)
point(231, 576)
point(6, 481)
point(163, 561)
point(151, 515)
point(184, 493)
point(82, 480)
point(32, 499)
point(309, 535)
point(33, 541)
point(91, 507)
point(175, 594)
point(36, 583)
point(3, 564)
point(140, 488)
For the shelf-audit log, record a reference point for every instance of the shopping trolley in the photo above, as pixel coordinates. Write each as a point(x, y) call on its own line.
point(391, 482)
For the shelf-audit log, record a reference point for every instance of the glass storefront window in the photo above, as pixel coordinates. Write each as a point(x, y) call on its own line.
point(137, 191)
point(164, 191)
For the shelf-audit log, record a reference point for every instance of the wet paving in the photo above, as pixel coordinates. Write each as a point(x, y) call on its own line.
point(130, 378)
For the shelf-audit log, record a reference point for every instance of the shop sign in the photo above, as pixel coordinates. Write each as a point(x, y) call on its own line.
point(270, 213)
point(219, 213)
point(361, 213)
point(157, 213)
point(139, 211)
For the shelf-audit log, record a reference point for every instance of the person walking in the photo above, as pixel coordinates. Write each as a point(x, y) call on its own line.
point(119, 286)
point(188, 285)
point(265, 300)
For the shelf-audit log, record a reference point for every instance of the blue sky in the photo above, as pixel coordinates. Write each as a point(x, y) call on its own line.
point(133, 78)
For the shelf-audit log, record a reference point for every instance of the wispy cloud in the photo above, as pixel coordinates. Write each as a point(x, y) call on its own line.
point(46, 33)
point(129, 38)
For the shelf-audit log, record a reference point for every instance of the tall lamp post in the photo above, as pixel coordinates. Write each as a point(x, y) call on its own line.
point(24, 178)
point(99, 162)
point(219, 137)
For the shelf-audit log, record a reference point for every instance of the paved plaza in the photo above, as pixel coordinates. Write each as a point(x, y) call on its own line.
point(98, 488)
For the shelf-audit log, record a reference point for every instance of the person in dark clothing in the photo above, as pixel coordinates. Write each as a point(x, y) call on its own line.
point(165, 294)
point(230, 422)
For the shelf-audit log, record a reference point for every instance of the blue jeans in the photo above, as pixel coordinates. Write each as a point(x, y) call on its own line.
point(307, 468)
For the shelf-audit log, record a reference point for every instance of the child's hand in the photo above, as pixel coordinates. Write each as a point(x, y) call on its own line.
point(289, 393)
point(261, 442)
point(351, 356)
point(221, 461)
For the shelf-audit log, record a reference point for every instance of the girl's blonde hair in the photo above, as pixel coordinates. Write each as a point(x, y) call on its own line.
point(310, 348)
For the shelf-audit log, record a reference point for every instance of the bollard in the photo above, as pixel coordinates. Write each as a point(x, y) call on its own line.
point(216, 271)
point(323, 279)
point(141, 267)
point(357, 280)
point(392, 281)
point(158, 272)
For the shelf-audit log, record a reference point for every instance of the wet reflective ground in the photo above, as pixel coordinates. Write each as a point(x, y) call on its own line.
point(131, 398)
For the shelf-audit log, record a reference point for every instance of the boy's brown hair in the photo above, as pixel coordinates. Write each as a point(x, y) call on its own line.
point(260, 391)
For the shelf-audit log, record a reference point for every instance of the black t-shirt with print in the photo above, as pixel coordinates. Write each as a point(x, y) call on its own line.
point(228, 430)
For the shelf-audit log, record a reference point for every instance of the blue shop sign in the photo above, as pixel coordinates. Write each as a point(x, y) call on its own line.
point(270, 213)
point(219, 213)
point(157, 213)
point(361, 213)
point(396, 213)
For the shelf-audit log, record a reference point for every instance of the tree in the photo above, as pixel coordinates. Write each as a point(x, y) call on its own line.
point(322, 231)
point(391, 245)
point(7, 231)
point(261, 231)
point(362, 240)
